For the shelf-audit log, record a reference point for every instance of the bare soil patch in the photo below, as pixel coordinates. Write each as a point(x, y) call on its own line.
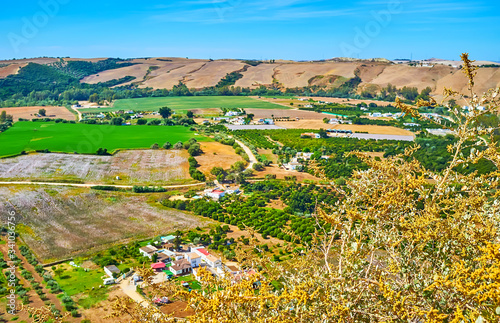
point(9, 70)
point(319, 124)
point(237, 233)
point(216, 155)
point(98, 313)
point(58, 222)
point(31, 112)
point(132, 166)
point(282, 173)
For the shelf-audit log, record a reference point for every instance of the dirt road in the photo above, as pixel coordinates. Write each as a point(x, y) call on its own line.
point(250, 154)
point(88, 185)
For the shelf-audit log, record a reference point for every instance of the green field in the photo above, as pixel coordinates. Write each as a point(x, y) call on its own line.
point(86, 138)
point(182, 104)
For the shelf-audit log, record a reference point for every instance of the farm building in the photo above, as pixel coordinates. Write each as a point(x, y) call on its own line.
point(148, 251)
point(110, 270)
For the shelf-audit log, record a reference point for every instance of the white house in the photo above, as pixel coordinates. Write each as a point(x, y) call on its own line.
point(376, 114)
point(232, 113)
point(215, 194)
point(173, 255)
point(308, 106)
point(110, 270)
point(334, 121)
point(213, 261)
point(193, 258)
point(181, 267)
point(148, 251)
point(305, 156)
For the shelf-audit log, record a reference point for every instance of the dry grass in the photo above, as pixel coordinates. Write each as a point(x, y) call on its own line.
point(63, 222)
point(9, 70)
point(237, 233)
point(133, 166)
point(216, 155)
point(282, 173)
point(31, 112)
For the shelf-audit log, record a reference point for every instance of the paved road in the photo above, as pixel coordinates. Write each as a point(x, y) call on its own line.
point(90, 185)
point(247, 150)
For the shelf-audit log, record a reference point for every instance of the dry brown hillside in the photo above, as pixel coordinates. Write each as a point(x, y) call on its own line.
point(165, 72)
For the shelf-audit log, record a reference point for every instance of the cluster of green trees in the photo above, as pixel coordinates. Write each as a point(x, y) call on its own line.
point(252, 211)
point(235, 173)
point(148, 189)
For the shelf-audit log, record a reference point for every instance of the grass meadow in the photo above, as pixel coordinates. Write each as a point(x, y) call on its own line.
point(85, 138)
point(184, 103)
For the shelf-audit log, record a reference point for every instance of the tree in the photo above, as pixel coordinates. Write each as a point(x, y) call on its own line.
point(177, 240)
point(141, 121)
point(117, 121)
point(178, 145)
point(167, 145)
point(59, 271)
point(165, 112)
point(190, 114)
point(42, 112)
point(258, 167)
point(155, 146)
point(3, 116)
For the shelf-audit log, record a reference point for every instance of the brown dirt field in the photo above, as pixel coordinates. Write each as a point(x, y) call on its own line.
point(177, 309)
point(486, 78)
point(98, 313)
point(281, 173)
point(58, 223)
point(10, 69)
point(30, 112)
point(144, 167)
point(139, 71)
point(236, 233)
point(280, 113)
point(319, 124)
point(372, 129)
point(224, 156)
point(255, 76)
point(206, 112)
point(211, 73)
point(420, 77)
point(39, 60)
point(172, 73)
point(93, 60)
point(299, 74)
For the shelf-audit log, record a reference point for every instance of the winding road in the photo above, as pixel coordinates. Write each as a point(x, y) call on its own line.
point(250, 154)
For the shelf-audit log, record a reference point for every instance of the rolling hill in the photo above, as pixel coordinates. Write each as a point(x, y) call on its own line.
point(165, 72)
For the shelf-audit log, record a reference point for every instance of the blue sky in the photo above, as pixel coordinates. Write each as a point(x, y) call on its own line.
point(261, 29)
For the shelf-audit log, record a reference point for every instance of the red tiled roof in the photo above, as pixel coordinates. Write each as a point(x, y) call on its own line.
point(203, 251)
point(158, 265)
